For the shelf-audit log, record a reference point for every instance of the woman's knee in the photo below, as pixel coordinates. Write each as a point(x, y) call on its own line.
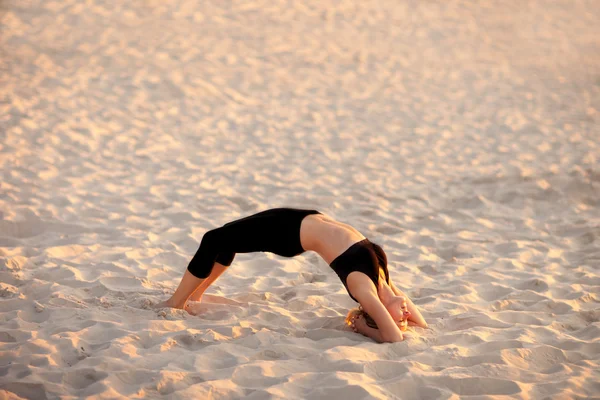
point(212, 237)
point(225, 258)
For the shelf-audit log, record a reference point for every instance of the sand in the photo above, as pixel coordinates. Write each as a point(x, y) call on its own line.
point(464, 137)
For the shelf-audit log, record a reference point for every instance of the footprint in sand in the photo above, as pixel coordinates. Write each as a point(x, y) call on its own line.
point(288, 295)
point(268, 354)
point(536, 359)
point(591, 332)
point(385, 369)
point(125, 284)
point(36, 313)
point(212, 299)
point(8, 291)
point(213, 358)
point(242, 203)
point(171, 382)
point(462, 322)
point(255, 376)
point(83, 377)
point(479, 386)
point(26, 390)
point(189, 341)
point(340, 389)
point(211, 312)
point(535, 284)
point(413, 388)
point(22, 229)
point(494, 292)
point(6, 337)
point(308, 277)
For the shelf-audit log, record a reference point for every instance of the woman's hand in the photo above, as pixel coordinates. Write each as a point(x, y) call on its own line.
point(359, 324)
point(415, 318)
point(356, 319)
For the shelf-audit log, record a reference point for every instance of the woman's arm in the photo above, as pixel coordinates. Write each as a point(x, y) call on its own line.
point(359, 325)
point(365, 292)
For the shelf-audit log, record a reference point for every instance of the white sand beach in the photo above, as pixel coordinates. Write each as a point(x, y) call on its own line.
point(464, 137)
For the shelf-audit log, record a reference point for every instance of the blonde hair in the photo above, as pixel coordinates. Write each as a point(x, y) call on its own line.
point(381, 274)
point(355, 312)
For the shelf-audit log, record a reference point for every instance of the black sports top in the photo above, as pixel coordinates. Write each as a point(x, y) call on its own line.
point(362, 256)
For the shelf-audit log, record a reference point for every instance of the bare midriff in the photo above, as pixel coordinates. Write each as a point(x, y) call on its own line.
point(327, 237)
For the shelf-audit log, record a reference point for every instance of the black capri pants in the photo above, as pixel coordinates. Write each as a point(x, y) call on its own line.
point(276, 231)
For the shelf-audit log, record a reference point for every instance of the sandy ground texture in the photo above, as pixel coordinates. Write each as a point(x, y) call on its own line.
point(462, 136)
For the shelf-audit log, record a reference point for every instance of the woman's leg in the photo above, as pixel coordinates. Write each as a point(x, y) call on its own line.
point(186, 287)
point(192, 288)
point(200, 269)
point(217, 270)
point(276, 230)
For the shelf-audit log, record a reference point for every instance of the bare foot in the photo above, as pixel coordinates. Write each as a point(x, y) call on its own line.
point(193, 307)
point(196, 298)
point(165, 304)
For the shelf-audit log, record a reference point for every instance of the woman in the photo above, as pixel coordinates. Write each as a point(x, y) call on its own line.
point(360, 264)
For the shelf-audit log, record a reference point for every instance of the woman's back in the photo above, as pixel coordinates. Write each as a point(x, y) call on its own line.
point(326, 236)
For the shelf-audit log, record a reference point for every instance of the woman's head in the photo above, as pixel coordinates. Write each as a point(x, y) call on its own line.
point(395, 305)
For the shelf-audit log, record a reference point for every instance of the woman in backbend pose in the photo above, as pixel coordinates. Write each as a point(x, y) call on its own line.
point(361, 265)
